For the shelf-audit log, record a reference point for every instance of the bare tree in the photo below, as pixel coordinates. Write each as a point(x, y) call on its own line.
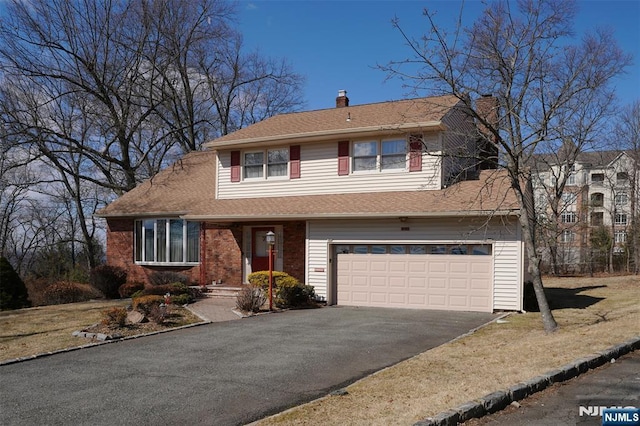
point(520, 54)
point(627, 134)
point(105, 93)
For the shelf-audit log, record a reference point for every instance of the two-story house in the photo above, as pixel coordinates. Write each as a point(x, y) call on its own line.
point(366, 203)
point(597, 196)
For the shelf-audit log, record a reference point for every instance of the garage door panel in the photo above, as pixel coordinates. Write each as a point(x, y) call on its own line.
point(447, 282)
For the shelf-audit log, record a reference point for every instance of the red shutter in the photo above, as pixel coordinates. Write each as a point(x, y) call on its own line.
point(294, 162)
point(415, 153)
point(343, 158)
point(235, 166)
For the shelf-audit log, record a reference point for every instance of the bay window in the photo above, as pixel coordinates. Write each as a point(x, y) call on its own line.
point(167, 241)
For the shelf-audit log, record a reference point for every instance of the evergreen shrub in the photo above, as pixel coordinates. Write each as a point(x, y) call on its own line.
point(288, 291)
point(13, 292)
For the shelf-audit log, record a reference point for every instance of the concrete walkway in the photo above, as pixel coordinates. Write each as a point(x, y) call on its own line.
point(215, 309)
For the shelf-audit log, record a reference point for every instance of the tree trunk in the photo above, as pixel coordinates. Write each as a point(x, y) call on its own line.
point(528, 223)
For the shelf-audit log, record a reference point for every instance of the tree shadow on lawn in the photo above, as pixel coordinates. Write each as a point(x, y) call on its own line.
point(561, 298)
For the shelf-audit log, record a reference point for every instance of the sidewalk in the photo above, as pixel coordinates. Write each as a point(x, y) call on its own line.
point(215, 309)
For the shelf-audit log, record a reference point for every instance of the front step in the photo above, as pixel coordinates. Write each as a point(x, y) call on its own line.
point(219, 290)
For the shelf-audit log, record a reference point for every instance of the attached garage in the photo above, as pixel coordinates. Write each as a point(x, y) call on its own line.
point(447, 277)
point(475, 266)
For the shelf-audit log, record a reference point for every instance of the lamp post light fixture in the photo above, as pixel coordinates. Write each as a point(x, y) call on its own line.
point(271, 241)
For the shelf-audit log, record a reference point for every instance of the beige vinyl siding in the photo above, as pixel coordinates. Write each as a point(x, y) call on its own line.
point(506, 247)
point(319, 175)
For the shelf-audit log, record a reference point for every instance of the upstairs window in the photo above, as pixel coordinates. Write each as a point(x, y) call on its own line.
point(597, 177)
point(569, 198)
point(568, 236)
point(276, 164)
point(597, 218)
point(568, 217)
point(167, 241)
point(622, 177)
point(621, 199)
point(597, 199)
point(620, 237)
point(379, 155)
point(621, 219)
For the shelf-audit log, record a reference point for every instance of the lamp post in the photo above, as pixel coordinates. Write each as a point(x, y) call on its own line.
point(271, 241)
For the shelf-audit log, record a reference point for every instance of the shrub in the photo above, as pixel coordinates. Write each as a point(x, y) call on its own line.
point(108, 279)
point(181, 299)
point(167, 277)
point(13, 292)
point(250, 299)
point(69, 292)
point(128, 289)
point(288, 291)
point(114, 317)
point(36, 287)
point(158, 314)
point(146, 303)
point(173, 288)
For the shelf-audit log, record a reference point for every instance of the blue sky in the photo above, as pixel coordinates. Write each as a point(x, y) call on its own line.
point(337, 44)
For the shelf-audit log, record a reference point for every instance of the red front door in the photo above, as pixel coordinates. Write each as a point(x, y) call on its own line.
point(260, 249)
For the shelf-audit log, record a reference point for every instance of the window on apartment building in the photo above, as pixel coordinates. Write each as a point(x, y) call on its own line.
point(597, 199)
point(569, 198)
point(597, 218)
point(621, 199)
point(597, 177)
point(167, 241)
point(571, 178)
point(620, 219)
point(620, 237)
point(568, 217)
point(622, 177)
point(568, 236)
point(379, 155)
point(276, 164)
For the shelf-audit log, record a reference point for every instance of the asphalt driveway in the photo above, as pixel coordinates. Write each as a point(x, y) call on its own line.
point(223, 373)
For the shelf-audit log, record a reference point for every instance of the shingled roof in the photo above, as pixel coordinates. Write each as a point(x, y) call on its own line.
point(186, 189)
point(350, 120)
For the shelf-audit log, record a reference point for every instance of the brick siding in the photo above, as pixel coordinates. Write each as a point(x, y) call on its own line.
point(221, 252)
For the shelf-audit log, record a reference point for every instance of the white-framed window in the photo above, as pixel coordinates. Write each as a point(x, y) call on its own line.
point(379, 155)
point(568, 236)
point(162, 241)
point(569, 198)
point(271, 163)
point(571, 179)
point(621, 199)
point(568, 217)
point(621, 219)
point(620, 237)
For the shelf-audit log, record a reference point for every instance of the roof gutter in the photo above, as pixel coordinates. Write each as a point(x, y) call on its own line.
point(323, 134)
point(141, 215)
point(411, 215)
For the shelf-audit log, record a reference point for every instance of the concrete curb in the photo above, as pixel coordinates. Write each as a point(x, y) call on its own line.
point(496, 401)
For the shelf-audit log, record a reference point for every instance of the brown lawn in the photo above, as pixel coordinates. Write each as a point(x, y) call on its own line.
point(32, 331)
point(593, 314)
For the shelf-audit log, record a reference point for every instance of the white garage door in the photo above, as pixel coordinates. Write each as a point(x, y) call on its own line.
point(461, 281)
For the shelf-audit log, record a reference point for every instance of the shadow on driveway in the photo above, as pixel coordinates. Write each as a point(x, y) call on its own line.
point(224, 373)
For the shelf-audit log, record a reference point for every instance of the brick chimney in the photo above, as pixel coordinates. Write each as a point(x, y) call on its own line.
point(342, 100)
point(487, 107)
